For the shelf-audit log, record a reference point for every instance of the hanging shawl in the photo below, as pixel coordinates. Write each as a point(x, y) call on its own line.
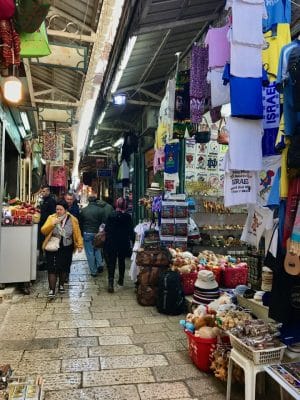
point(199, 88)
point(291, 208)
point(182, 104)
point(10, 44)
point(49, 146)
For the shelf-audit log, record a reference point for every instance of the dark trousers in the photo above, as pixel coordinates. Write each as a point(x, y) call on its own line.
point(112, 261)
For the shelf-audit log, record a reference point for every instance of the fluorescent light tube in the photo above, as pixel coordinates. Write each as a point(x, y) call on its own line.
point(101, 118)
point(96, 132)
point(25, 120)
point(91, 143)
point(124, 62)
point(22, 132)
point(106, 148)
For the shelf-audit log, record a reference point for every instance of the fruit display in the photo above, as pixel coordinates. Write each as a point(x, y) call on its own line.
point(19, 213)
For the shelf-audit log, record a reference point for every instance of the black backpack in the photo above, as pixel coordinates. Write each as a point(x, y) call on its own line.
point(293, 68)
point(170, 296)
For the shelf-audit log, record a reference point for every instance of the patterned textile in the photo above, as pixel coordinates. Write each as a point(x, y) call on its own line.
point(57, 176)
point(291, 208)
point(199, 88)
point(182, 104)
point(49, 146)
point(10, 44)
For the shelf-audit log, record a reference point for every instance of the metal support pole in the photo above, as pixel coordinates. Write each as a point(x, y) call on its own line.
point(182, 166)
point(2, 166)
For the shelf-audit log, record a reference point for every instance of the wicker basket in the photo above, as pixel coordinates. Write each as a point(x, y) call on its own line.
point(267, 356)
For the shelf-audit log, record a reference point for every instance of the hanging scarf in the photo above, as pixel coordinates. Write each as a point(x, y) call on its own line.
point(199, 88)
point(291, 208)
point(295, 237)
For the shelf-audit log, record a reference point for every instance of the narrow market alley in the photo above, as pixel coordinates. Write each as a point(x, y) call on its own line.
point(88, 344)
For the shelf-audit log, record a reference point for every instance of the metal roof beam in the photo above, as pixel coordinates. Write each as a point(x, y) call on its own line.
point(150, 94)
point(54, 88)
point(26, 63)
point(41, 92)
point(174, 24)
point(58, 102)
point(143, 103)
point(56, 11)
point(138, 86)
point(73, 36)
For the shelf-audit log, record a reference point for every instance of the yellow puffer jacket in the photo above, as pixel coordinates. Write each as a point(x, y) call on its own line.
point(48, 227)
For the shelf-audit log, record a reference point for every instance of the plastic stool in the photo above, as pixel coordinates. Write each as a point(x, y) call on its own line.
point(250, 371)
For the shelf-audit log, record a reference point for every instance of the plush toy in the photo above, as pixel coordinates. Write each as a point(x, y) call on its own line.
point(207, 332)
point(223, 300)
point(188, 323)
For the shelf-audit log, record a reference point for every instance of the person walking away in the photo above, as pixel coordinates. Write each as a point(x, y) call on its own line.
point(73, 204)
point(47, 208)
point(63, 226)
point(106, 209)
point(119, 233)
point(91, 217)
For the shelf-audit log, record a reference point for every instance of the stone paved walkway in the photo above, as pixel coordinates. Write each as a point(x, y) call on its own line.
point(89, 344)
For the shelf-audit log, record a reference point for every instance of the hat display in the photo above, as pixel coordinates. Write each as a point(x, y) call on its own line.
point(154, 189)
point(206, 288)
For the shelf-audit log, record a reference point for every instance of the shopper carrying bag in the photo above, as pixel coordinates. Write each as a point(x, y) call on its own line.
point(63, 237)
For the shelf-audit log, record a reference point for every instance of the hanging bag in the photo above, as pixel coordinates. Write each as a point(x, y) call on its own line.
point(223, 135)
point(35, 44)
point(7, 9)
point(53, 244)
point(203, 134)
point(30, 14)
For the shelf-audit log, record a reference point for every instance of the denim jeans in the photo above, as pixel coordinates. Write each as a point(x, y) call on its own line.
point(93, 255)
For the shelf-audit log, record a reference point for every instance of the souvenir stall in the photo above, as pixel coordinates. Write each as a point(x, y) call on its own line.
point(242, 170)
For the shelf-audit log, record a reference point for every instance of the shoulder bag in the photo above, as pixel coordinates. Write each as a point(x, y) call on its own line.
point(53, 244)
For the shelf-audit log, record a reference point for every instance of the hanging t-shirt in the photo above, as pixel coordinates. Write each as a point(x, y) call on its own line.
point(245, 61)
point(218, 46)
point(247, 21)
point(159, 160)
point(266, 177)
point(279, 11)
point(244, 144)
point(269, 142)
point(271, 106)
point(271, 52)
point(258, 221)
point(245, 94)
point(172, 158)
point(220, 94)
point(274, 196)
point(240, 187)
point(171, 181)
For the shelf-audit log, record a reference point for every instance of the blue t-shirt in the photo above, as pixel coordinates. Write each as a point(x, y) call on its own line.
point(245, 94)
point(172, 158)
point(274, 196)
point(279, 11)
point(269, 141)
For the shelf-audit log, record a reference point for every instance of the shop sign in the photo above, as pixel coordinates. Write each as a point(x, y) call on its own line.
point(104, 173)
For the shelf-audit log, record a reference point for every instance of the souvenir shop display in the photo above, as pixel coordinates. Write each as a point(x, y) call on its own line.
point(19, 387)
point(20, 213)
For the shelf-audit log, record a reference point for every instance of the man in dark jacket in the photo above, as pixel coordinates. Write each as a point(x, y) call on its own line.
point(90, 219)
point(73, 205)
point(106, 209)
point(48, 207)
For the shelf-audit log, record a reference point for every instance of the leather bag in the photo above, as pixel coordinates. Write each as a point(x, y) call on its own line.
point(30, 14)
point(99, 240)
point(153, 257)
point(203, 135)
point(223, 135)
point(53, 244)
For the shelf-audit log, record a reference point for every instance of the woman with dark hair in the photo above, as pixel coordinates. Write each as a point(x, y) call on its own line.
point(119, 233)
point(62, 229)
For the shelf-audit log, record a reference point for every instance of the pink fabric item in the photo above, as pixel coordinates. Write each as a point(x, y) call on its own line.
point(7, 9)
point(159, 160)
point(218, 46)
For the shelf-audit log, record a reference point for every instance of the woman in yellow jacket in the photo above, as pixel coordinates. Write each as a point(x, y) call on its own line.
point(65, 228)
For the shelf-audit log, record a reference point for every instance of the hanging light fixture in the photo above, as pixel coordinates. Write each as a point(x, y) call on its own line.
point(12, 87)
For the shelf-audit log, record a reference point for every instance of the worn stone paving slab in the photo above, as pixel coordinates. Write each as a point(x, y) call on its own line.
point(107, 307)
point(178, 357)
point(134, 361)
point(161, 391)
point(84, 324)
point(150, 328)
point(65, 317)
point(21, 334)
point(107, 315)
point(116, 350)
point(149, 337)
point(125, 321)
point(10, 356)
point(27, 344)
point(155, 320)
point(68, 380)
point(56, 333)
point(136, 313)
point(37, 344)
point(78, 342)
point(37, 367)
point(80, 364)
point(55, 354)
point(176, 373)
point(114, 331)
point(117, 377)
point(163, 347)
point(114, 340)
point(121, 392)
